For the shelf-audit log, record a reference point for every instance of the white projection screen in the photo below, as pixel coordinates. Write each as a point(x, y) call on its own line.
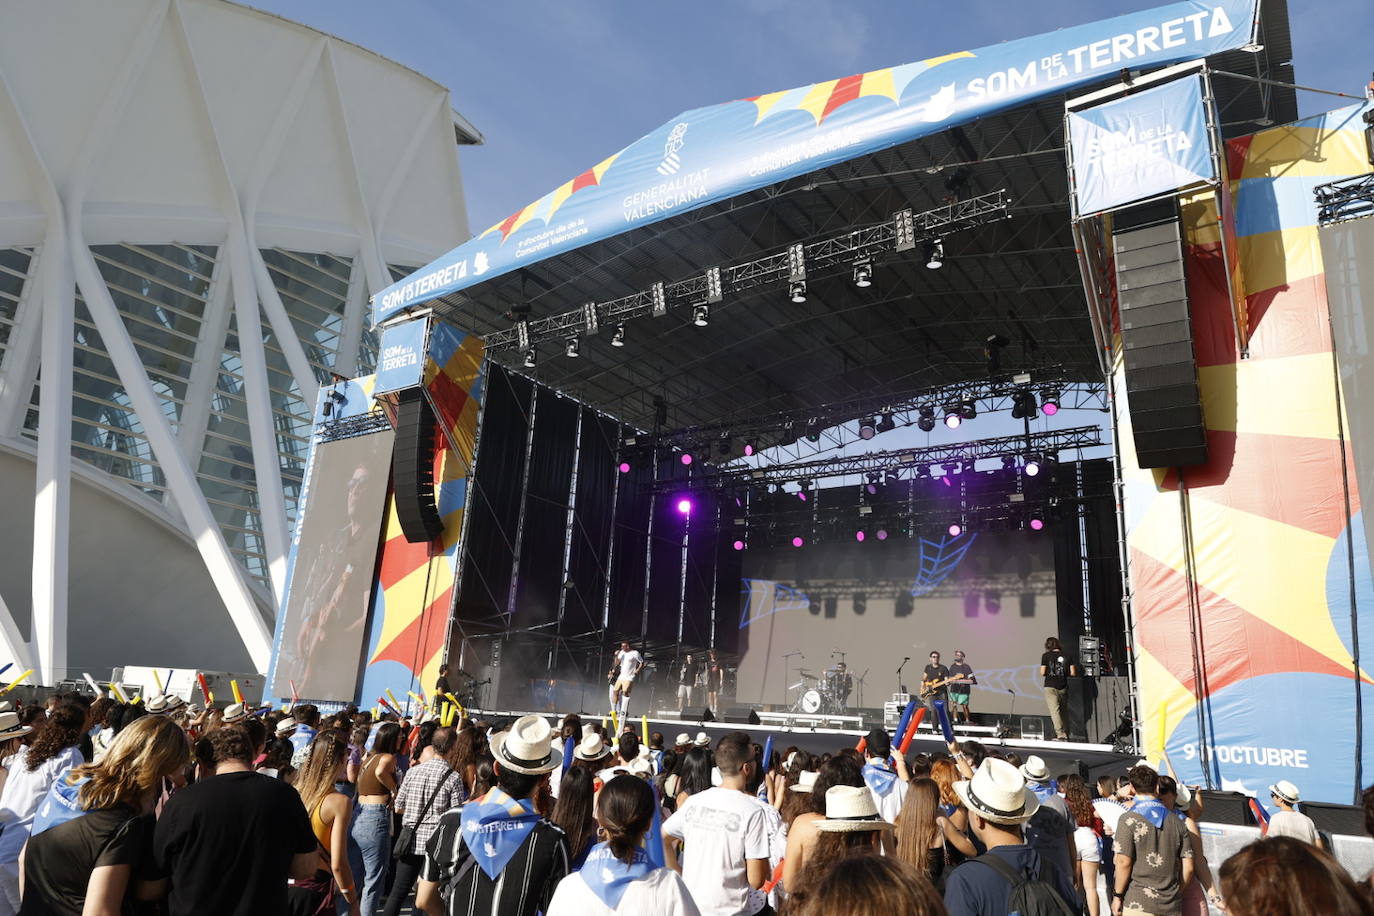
point(991, 595)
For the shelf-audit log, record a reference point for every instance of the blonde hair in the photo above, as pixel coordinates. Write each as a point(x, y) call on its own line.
point(316, 777)
point(144, 752)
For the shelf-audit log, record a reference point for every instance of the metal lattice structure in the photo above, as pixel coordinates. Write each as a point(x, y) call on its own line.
point(196, 201)
point(1344, 200)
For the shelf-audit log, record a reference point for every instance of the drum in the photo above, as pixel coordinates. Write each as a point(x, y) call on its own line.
point(811, 701)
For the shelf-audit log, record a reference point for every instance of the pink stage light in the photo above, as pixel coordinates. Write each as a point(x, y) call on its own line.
point(748, 450)
point(859, 536)
point(684, 506)
point(801, 494)
point(686, 458)
point(882, 534)
point(624, 467)
point(1037, 524)
point(738, 545)
point(798, 541)
point(955, 530)
point(1050, 408)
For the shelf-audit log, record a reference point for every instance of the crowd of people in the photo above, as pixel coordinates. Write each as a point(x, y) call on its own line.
point(167, 808)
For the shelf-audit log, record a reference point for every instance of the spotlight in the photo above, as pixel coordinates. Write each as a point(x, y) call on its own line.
point(950, 468)
point(922, 470)
point(738, 545)
point(1008, 463)
point(1049, 402)
point(874, 478)
point(574, 348)
point(1032, 467)
point(935, 254)
point(684, 506)
point(813, 431)
point(968, 409)
point(624, 467)
point(868, 428)
point(798, 541)
point(797, 290)
point(882, 534)
point(749, 449)
point(723, 446)
point(1037, 523)
point(701, 315)
point(927, 420)
point(863, 274)
point(885, 422)
point(953, 415)
point(531, 357)
point(686, 458)
point(955, 530)
point(859, 536)
point(619, 339)
point(1023, 406)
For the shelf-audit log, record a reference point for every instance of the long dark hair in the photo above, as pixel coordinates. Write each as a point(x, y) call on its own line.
point(573, 810)
point(1281, 876)
point(694, 775)
point(1079, 800)
point(840, 770)
point(869, 885)
point(388, 739)
point(63, 729)
point(917, 829)
point(625, 810)
point(829, 849)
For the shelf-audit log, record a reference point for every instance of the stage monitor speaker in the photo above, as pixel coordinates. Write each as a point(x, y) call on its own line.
point(412, 468)
point(698, 714)
point(741, 715)
point(1157, 336)
point(1226, 808)
point(1335, 819)
point(1089, 655)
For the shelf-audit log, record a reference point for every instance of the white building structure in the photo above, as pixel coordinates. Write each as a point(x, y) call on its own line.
point(196, 201)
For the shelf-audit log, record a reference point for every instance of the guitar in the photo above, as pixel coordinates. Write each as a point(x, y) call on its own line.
point(928, 688)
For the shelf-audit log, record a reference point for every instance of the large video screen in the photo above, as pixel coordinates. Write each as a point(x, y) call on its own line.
point(331, 586)
point(871, 604)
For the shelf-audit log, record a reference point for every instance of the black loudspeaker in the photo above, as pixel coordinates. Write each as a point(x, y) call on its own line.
point(1157, 336)
point(412, 468)
point(741, 715)
point(698, 714)
point(1226, 808)
point(1335, 819)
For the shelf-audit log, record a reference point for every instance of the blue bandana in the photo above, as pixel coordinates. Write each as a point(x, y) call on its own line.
point(879, 778)
point(1153, 810)
point(608, 877)
point(1043, 790)
point(494, 826)
point(60, 805)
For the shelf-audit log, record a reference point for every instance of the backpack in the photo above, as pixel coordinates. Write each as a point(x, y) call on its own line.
point(1029, 896)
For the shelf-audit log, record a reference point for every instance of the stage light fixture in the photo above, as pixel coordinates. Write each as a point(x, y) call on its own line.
point(1037, 523)
point(882, 534)
point(926, 423)
point(953, 415)
point(701, 315)
point(859, 536)
point(968, 409)
point(863, 274)
point(891, 476)
point(813, 431)
point(749, 448)
point(619, 339)
point(798, 541)
point(885, 422)
point(797, 291)
point(1023, 405)
point(684, 506)
point(624, 467)
point(723, 446)
point(950, 468)
point(738, 545)
point(531, 358)
point(868, 428)
point(1049, 402)
point(922, 470)
point(935, 254)
point(686, 458)
point(1008, 463)
point(874, 479)
point(955, 530)
point(1032, 468)
point(573, 349)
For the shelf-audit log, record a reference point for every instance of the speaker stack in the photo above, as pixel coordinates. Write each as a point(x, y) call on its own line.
point(412, 468)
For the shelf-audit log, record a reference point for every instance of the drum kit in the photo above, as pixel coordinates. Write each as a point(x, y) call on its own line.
point(827, 692)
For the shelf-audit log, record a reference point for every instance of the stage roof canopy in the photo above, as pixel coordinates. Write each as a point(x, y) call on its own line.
point(730, 183)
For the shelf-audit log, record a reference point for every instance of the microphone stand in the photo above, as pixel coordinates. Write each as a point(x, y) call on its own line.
point(786, 687)
point(1005, 730)
point(899, 673)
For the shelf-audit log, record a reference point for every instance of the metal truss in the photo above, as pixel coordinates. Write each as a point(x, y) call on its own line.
point(374, 421)
point(1344, 200)
point(797, 263)
point(1040, 443)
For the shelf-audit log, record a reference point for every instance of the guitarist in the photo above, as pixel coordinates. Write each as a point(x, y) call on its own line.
point(933, 680)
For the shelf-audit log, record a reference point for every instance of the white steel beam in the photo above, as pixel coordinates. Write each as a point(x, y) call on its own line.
point(377, 276)
point(200, 386)
point(355, 313)
point(20, 370)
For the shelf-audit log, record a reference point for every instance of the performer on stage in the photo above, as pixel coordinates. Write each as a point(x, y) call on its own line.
point(933, 679)
point(628, 661)
point(960, 688)
point(686, 680)
point(441, 686)
point(715, 674)
point(842, 685)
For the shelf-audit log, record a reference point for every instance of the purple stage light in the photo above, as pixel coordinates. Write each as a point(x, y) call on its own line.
point(798, 541)
point(738, 545)
point(955, 530)
point(684, 506)
point(748, 450)
point(624, 467)
point(882, 534)
point(1050, 408)
point(859, 536)
point(1037, 524)
point(801, 494)
point(686, 458)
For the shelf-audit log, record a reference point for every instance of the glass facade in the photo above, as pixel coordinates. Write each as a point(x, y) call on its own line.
point(15, 264)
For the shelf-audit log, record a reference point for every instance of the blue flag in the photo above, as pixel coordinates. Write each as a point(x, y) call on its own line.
point(1043, 790)
point(879, 778)
point(609, 878)
point(569, 745)
point(653, 840)
point(61, 804)
point(495, 826)
point(1153, 810)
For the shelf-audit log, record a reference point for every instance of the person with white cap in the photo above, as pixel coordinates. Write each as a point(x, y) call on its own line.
point(1288, 821)
point(1152, 854)
point(999, 804)
point(496, 854)
point(1050, 831)
point(701, 740)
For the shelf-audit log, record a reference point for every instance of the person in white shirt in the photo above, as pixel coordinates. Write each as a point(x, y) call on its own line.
point(1288, 821)
point(628, 661)
point(619, 876)
point(727, 833)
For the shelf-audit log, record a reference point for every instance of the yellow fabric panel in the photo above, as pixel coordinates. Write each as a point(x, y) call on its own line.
point(1273, 259)
point(1288, 396)
point(879, 82)
point(1307, 151)
point(816, 100)
point(765, 102)
point(1168, 703)
point(600, 168)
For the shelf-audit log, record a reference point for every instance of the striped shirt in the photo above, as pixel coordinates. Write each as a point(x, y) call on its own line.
point(524, 888)
point(419, 785)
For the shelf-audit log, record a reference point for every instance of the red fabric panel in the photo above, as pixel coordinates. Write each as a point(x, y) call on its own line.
point(846, 90)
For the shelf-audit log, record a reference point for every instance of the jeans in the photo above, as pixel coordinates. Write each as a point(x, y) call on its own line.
point(372, 830)
point(1054, 697)
point(407, 870)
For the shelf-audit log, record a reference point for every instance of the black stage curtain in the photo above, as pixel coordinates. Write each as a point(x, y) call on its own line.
point(588, 564)
point(631, 547)
point(701, 567)
point(545, 527)
point(1103, 561)
point(665, 552)
point(729, 571)
point(495, 496)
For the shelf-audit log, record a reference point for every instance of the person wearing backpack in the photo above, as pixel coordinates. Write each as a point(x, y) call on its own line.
point(1010, 877)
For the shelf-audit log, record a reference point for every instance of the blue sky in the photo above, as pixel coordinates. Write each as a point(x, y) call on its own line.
point(557, 85)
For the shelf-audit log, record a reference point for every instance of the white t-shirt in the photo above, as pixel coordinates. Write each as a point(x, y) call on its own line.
point(629, 664)
point(721, 829)
point(663, 891)
point(1291, 823)
point(890, 805)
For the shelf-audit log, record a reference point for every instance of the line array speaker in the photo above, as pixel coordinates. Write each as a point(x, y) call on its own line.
point(1157, 336)
point(412, 468)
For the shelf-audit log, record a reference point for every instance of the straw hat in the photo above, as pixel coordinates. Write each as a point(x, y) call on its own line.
point(851, 808)
point(237, 712)
point(1284, 790)
point(591, 749)
point(528, 747)
point(6, 706)
point(1034, 769)
point(286, 726)
point(682, 739)
point(806, 781)
point(10, 727)
point(641, 767)
point(997, 793)
point(702, 740)
point(165, 704)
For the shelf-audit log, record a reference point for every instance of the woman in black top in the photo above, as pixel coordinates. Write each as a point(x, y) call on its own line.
point(90, 862)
